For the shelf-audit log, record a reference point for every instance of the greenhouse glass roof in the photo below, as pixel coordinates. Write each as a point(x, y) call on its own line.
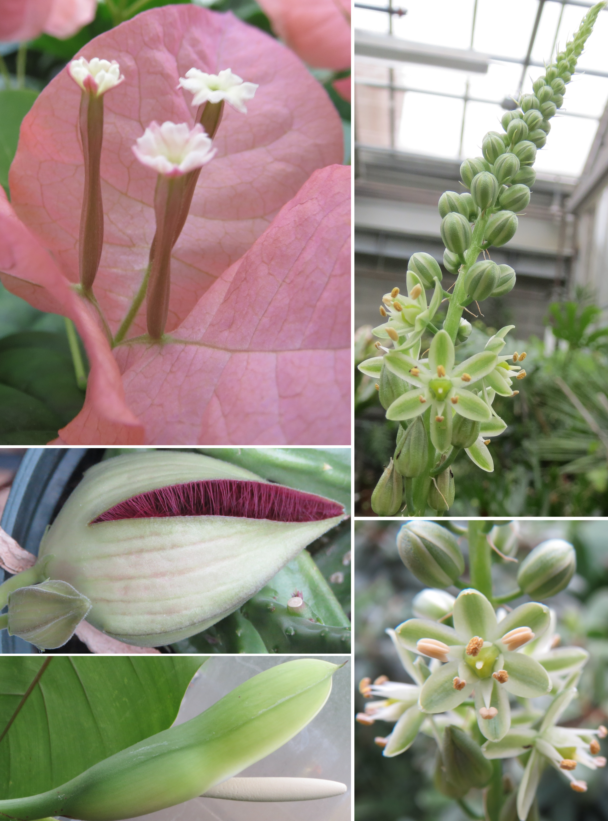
point(445, 112)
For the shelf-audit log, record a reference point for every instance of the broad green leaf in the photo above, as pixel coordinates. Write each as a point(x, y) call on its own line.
point(479, 454)
point(325, 471)
point(82, 710)
point(14, 105)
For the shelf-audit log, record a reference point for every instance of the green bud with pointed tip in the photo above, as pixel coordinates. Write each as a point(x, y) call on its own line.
point(506, 538)
point(547, 569)
point(469, 203)
point(464, 330)
point(538, 84)
point(558, 86)
point(545, 95)
point(412, 454)
point(432, 604)
point(506, 167)
point(538, 137)
point(515, 198)
point(481, 279)
point(426, 268)
point(442, 491)
point(517, 131)
point(452, 261)
point(507, 118)
point(465, 432)
point(456, 233)
point(533, 119)
point(387, 498)
point(470, 168)
point(500, 228)
point(548, 110)
point(46, 614)
point(528, 102)
point(506, 281)
point(558, 99)
point(451, 201)
point(430, 552)
point(526, 152)
point(525, 176)
point(492, 146)
point(464, 761)
point(443, 784)
point(390, 387)
point(484, 190)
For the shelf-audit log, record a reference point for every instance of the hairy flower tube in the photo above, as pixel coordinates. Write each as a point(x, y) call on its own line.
point(480, 657)
point(565, 748)
point(201, 755)
point(472, 223)
point(165, 544)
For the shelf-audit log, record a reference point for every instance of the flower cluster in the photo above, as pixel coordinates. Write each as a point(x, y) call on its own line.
point(498, 186)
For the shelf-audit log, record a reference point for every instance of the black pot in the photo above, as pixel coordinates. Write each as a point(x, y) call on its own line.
point(45, 479)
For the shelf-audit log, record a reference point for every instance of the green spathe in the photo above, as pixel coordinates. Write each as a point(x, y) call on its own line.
point(181, 763)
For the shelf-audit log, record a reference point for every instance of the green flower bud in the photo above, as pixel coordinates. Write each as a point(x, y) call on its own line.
point(391, 387)
point(452, 261)
point(506, 538)
point(517, 131)
point(545, 126)
point(528, 102)
point(538, 84)
point(533, 119)
point(46, 614)
point(469, 202)
point(548, 110)
point(506, 167)
point(558, 99)
point(432, 604)
point(508, 116)
point(464, 330)
point(470, 168)
point(506, 280)
point(547, 569)
point(412, 453)
point(450, 201)
point(387, 498)
point(500, 228)
point(526, 151)
point(442, 491)
point(430, 552)
point(525, 176)
point(545, 95)
point(464, 760)
point(425, 267)
point(515, 198)
point(446, 787)
point(465, 432)
point(492, 146)
point(481, 279)
point(558, 86)
point(550, 75)
point(566, 76)
point(456, 233)
point(484, 190)
point(538, 137)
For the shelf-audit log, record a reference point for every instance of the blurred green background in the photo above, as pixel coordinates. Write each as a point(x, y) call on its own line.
point(401, 788)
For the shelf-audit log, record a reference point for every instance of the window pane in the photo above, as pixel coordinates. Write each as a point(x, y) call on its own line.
point(440, 22)
point(430, 125)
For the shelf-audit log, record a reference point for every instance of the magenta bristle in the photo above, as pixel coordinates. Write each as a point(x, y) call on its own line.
point(225, 497)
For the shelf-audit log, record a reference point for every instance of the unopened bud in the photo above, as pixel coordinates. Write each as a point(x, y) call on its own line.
point(484, 190)
point(46, 614)
point(481, 279)
point(526, 151)
point(442, 491)
point(506, 167)
point(548, 569)
point(426, 267)
point(464, 330)
point(451, 201)
point(492, 146)
point(456, 233)
point(391, 387)
point(464, 760)
point(430, 552)
point(501, 227)
point(515, 198)
point(451, 261)
point(387, 498)
point(433, 604)
point(412, 453)
point(465, 432)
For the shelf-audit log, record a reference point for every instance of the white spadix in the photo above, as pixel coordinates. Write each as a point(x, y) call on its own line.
point(163, 544)
point(276, 789)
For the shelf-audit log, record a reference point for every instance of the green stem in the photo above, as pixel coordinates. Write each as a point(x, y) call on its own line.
point(4, 621)
point(5, 72)
point(79, 369)
point(460, 585)
point(446, 463)
point(467, 810)
point(135, 306)
point(514, 594)
point(34, 575)
point(21, 58)
point(454, 315)
point(480, 559)
point(93, 300)
point(494, 796)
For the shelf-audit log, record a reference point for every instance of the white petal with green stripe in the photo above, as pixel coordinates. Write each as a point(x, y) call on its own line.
point(408, 406)
point(438, 693)
point(404, 732)
point(474, 616)
point(479, 454)
point(472, 407)
point(527, 678)
point(372, 367)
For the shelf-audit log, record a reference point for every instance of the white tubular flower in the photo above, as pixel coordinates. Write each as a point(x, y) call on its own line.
point(214, 88)
point(174, 149)
point(96, 76)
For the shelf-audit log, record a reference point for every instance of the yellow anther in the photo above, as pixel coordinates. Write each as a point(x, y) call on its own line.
point(415, 292)
point(382, 311)
point(465, 377)
point(379, 741)
point(567, 764)
point(579, 786)
point(454, 400)
point(501, 676)
point(594, 747)
point(515, 356)
point(522, 356)
point(487, 441)
point(422, 400)
point(395, 292)
point(364, 687)
point(415, 371)
point(381, 680)
point(393, 334)
point(474, 646)
point(459, 683)
point(439, 419)
point(397, 306)
point(440, 370)
point(488, 712)
point(364, 719)
point(515, 393)
point(556, 641)
point(517, 638)
point(602, 731)
point(521, 375)
point(377, 386)
point(433, 649)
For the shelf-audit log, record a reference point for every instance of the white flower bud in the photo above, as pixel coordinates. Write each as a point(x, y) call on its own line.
point(214, 88)
point(96, 76)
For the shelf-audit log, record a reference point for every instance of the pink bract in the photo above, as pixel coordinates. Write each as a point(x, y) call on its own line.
point(26, 19)
point(263, 159)
point(317, 30)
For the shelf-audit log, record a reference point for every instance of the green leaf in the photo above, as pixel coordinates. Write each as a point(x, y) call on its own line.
point(82, 711)
point(14, 105)
point(325, 471)
point(17, 315)
point(38, 390)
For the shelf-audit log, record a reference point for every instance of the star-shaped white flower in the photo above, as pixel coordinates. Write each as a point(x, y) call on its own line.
point(96, 76)
point(174, 149)
point(214, 88)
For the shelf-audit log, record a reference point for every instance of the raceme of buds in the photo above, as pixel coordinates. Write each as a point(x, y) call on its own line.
point(547, 569)
point(189, 759)
point(430, 552)
point(412, 452)
point(166, 543)
point(387, 498)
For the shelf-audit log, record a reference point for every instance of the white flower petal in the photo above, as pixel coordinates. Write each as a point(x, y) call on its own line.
point(174, 149)
point(96, 76)
point(214, 88)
